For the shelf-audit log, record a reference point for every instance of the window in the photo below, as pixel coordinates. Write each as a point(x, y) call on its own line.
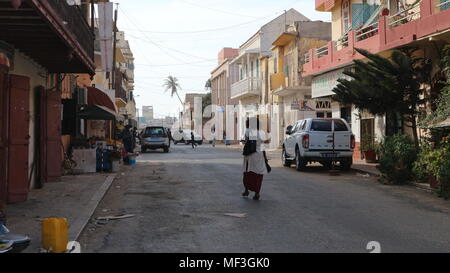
point(321, 125)
point(304, 125)
point(345, 16)
point(324, 115)
point(257, 68)
point(155, 131)
point(275, 65)
point(339, 126)
point(346, 113)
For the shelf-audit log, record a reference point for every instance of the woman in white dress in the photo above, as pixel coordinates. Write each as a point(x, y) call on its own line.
point(255, 164)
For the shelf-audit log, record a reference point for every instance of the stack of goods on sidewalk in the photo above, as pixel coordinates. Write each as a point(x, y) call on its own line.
point(96, 155)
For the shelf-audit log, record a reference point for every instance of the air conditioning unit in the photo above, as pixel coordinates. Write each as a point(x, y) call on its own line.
point(82, 96)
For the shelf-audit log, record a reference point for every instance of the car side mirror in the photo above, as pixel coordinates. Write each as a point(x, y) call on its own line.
point(289, 130)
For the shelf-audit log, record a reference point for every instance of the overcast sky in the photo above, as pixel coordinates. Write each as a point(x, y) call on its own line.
point(183, 37)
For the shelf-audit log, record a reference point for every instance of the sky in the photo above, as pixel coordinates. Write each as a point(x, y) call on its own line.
point(182, 38)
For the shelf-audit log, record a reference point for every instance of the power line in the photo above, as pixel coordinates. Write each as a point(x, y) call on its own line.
point(172, 49)
point(204, 30)
point(217, 10)
point(149, 40)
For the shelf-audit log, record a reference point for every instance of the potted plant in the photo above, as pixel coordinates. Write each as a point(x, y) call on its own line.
point(368, 148)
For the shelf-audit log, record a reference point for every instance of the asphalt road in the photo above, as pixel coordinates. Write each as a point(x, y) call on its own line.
point(181, 200)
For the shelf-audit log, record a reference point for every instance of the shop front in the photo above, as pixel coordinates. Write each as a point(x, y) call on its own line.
point(99, 150)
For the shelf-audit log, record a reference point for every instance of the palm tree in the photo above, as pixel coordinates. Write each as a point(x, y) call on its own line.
point(171, 84)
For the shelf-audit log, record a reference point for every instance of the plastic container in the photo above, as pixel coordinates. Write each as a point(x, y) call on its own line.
point(55, 235)
point(132, 160)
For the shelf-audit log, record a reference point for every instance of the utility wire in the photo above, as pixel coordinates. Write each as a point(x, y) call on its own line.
point(206, 30)
point(163, 49)
point(218, 10)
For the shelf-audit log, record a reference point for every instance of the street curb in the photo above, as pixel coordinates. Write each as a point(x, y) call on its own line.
point(77, 227)
point(366, 172)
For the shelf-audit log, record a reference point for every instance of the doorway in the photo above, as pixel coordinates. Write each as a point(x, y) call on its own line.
point(3, 136)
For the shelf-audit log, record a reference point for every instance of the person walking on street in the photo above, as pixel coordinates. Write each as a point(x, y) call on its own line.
point(255, 159)
point(193, 140)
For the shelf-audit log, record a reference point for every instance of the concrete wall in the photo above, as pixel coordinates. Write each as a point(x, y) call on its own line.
point(273, 29)
point(25, 66)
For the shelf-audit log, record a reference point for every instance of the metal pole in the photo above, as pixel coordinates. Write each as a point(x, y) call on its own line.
point(114, 50)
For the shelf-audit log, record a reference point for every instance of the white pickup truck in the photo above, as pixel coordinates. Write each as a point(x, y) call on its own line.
point(319, 140)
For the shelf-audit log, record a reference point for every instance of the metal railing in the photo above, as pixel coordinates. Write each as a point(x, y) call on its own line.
point(306, 57)
point(341, 43)
point(442, 5)
point(367, 32)
point(405, 16)
point(74, 20)
point(322, 51)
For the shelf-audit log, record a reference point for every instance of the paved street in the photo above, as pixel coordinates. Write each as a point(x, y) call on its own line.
point(180, 201)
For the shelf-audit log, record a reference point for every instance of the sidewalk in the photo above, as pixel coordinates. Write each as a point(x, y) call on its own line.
point(363, 166)
point(74, 198)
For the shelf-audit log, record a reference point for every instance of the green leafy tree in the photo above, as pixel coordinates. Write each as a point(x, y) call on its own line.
point(387, 86)
point(208, 84)
point(171, 84)
point(442, 102)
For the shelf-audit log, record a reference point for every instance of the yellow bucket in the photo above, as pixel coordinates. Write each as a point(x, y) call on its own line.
point(55, 235)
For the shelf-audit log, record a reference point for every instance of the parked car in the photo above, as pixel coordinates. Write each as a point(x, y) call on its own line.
point(319, 140)
point(184, 136)
point(153, 138)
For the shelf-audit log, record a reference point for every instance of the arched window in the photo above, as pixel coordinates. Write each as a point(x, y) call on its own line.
point(345, 16)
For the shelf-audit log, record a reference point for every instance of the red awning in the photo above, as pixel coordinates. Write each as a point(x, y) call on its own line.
point(98, 97)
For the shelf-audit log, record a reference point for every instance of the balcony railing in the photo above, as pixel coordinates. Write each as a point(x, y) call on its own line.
point(306, 57)
point(421, 20)
point(341, 43)
point(246, 87)
point(322, 51)
point(75, 21)
point(367, 32)
point(442, 5)
point(405, 16)
point(121, 93)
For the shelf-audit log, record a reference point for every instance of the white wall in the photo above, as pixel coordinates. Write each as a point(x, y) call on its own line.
point(25, 66)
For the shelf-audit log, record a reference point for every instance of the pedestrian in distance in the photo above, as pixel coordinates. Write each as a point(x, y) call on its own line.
point(255, 159)
point(193, 140)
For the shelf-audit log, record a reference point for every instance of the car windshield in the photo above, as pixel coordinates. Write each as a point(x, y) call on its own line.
point(155, 132)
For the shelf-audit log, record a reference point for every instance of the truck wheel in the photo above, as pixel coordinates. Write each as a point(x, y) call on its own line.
point(345, 165)
point(286, 162)
point(300, 162)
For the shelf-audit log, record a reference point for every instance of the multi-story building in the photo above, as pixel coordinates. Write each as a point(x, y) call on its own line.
point(188, 115)
point(290, 92)
point(221, 78)
point(35, 59)
point(147, 113)
point(247, 87)
point(378, 26)
point(124, 81)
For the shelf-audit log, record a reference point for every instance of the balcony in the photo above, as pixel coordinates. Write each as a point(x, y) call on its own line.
point(121, 97)
point(245, 88)
point(424, 19)
point(277, 81)
point(51, 32)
